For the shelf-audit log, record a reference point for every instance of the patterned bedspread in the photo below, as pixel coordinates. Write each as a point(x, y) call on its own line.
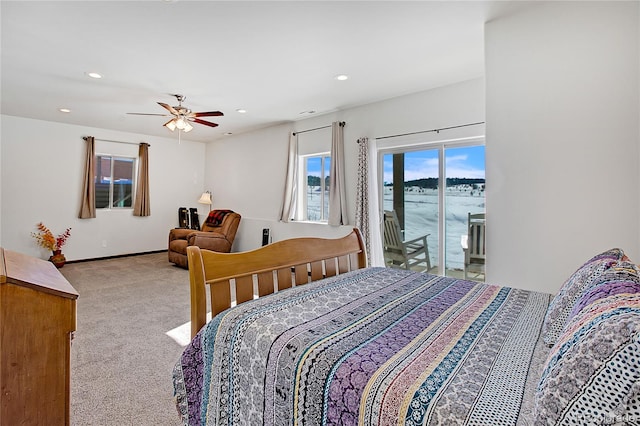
point(376, 346)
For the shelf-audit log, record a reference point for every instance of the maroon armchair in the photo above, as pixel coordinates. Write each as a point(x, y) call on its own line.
point(217, 234)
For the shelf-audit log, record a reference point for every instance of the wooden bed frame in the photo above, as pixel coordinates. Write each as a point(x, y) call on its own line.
point(265, 270)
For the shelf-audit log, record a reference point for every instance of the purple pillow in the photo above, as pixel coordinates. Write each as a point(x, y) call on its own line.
point(621, 278)
point(562, 304)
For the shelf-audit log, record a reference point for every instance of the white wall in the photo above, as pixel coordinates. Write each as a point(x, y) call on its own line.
point(246, 173)
point(0, 183)
point(563, 139)
point(41, 170)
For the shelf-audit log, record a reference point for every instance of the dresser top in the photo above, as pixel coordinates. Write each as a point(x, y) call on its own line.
point(20, 269)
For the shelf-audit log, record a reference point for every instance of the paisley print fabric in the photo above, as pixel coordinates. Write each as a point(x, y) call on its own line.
point(375, 346)
point(592, 374)
point(562, 303)
point(621, 278)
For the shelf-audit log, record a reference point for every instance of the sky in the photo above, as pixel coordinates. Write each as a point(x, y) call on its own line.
point(314, 166)
point(463, 162)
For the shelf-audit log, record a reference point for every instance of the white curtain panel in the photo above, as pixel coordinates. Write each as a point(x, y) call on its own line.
point(375, 207)
point(291, 182)
point(337, 196)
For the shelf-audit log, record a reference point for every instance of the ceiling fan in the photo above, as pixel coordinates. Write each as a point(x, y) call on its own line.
point(183, 116)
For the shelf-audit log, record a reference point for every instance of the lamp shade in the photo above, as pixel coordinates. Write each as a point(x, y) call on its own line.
point(171, 125)
point(205, 198)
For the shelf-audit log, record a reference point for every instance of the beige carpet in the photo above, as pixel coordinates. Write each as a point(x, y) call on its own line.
point(122, 357)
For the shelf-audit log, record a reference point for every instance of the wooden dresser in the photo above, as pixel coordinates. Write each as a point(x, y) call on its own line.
point(37, 321)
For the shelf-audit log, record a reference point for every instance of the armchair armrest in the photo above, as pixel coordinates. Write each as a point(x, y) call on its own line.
point(416, 246)
point(179, 233)
point(209, 241)
point(422, 238)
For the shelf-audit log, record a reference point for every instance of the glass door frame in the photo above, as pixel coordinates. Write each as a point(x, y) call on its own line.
point(422, 145)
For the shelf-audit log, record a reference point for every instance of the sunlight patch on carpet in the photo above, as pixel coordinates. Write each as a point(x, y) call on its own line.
point(182, 333)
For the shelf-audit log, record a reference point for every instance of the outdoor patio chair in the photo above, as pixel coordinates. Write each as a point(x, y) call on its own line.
point(412, 254)
point(473, 245)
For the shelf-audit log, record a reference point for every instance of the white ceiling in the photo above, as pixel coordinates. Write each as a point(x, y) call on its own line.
point(276, 59)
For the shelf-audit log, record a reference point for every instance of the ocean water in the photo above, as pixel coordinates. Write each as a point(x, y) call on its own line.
point(421, 217)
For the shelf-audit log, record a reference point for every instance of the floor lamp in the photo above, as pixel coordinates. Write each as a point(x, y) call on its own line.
point(205, 198)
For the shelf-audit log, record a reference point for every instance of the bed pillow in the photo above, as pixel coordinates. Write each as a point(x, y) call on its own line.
point(562, 303)
point(592, 374)
point(621, 278)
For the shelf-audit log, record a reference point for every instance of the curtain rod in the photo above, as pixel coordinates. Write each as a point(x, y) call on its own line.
point(432, 130)
point(109, 140)
point(341, 123)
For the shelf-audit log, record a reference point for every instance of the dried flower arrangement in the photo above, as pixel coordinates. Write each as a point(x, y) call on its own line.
point(45, 238)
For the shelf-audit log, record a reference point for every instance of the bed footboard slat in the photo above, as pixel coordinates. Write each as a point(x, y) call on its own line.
point(244, 288)
point(343, 264)
point(330, 267)
point(220, 296)
point(353, 260)
point(284, 278)
point(302, 274)
point(265, 283)
point(316, 270)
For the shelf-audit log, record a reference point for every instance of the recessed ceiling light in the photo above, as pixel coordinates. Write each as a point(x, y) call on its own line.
point(227, 133)
point(342, 77)
point(241, 110)
point(64, 110)
point(94, 75)
point(311, 111)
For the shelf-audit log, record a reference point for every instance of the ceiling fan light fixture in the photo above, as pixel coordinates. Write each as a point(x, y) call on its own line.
point(180, 123)
point(182, 117)
point(171, 125)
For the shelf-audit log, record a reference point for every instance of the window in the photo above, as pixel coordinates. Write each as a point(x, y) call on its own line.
point(314, 167)
point(433, 187)
point(114, 181)
point(315, 187)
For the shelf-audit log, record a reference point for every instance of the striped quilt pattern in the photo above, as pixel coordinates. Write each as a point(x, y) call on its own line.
point(376, 346)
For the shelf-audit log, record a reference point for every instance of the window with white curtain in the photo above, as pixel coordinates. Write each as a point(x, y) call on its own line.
point(314, 162)
point(315, 187)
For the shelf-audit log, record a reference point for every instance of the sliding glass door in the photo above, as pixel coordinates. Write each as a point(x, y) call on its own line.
point(432, 189)
point(463, 195)
point(410, 188)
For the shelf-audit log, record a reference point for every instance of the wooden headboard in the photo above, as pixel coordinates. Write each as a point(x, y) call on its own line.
point(258, 272)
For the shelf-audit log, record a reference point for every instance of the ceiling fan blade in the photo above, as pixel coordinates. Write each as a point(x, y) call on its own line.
point(206, 123)
point(208, 114)
point(169, 108)
point(144, 113)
